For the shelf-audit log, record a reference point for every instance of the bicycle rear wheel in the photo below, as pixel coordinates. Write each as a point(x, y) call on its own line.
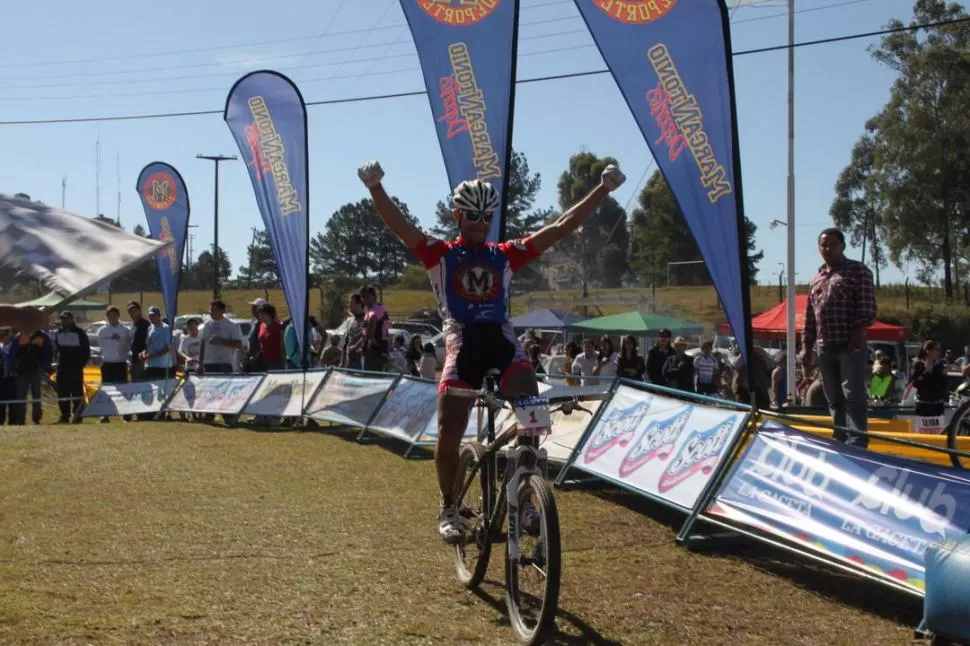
point(532, 584)
point(472, 553)
point(959, 426)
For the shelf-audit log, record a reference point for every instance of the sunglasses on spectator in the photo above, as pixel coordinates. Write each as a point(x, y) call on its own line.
point(475, 216)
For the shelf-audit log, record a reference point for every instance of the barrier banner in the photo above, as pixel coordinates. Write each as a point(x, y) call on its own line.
point(872, 512)
point(166, 201)
point(410, 408)
point(664, 448)
point(671, 60)
point(349, 399)
point(112, 400)
point(476, 419)
point(285, 394)
point(222, 394)
point(267, 116)
point(567, 430)
point(467, 53)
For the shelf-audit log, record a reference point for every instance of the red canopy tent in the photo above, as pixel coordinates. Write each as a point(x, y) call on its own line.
point(773, 324)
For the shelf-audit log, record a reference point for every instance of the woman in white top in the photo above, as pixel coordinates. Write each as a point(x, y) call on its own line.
point(607, 361)
point(429, 362)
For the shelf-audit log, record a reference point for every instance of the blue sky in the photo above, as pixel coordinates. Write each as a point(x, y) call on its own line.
point(114, 58)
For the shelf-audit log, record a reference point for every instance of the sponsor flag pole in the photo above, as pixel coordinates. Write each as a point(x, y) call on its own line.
point(267, 116)
point(166, 201)
point(468, 55)
point(680, 53)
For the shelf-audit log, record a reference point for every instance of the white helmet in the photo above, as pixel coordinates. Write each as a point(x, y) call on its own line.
point(475, 195)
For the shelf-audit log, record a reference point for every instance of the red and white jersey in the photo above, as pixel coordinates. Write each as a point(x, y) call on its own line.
point(472, 284)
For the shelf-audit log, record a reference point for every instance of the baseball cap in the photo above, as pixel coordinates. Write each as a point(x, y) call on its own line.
point(154, 310)
point(67, 314)
point(258, 302)
point(680, 341)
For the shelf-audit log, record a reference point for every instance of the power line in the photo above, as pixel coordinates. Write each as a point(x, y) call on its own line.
point(397, 95)
point(277, 41)
point(307, 81)
point(265, 59)
point(305, 55)
point(834, 5)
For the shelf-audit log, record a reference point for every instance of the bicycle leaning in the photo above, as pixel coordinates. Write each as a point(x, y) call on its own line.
point(522, 501)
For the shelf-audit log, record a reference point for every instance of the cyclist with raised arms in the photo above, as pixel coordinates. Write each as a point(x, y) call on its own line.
point(471, 279)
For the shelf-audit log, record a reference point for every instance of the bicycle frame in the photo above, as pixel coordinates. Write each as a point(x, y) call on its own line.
point(523, 459)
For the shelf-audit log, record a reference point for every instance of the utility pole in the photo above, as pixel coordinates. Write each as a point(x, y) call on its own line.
point(188, 246)
point(215, 228)
point(118, 171)
point(252, 249)
point(97, 177)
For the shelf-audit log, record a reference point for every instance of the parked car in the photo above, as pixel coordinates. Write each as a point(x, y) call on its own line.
point(426, 330)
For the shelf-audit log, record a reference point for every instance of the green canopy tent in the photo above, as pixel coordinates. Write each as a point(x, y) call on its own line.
point(636, 324)
point(53, 299)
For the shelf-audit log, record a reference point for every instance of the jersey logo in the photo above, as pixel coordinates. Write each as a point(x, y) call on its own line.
point(477, 282)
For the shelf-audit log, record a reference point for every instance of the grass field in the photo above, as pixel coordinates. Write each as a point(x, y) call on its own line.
point(698, 304)
point(156, 533)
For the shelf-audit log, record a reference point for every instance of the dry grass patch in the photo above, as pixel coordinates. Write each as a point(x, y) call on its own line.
point(155, 533)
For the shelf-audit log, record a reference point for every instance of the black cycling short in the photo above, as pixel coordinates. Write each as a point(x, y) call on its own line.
point(476, 348)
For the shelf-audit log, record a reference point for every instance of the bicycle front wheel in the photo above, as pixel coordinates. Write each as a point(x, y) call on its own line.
point(532, 580)
point(959, 426)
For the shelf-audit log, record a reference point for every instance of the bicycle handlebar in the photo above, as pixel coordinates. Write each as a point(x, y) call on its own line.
point(484, 396)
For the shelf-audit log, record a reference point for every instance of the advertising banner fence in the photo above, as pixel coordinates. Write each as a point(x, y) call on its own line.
point(664, 448)
point(871, 512)
point(138, 397)
point(348, 398)
point(285, 394)
point(221, 394)
point(409, 409)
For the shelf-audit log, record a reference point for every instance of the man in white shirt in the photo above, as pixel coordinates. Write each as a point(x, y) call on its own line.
point(221, 342)
point(221, 338)
point(587, 360)
point(115, 341)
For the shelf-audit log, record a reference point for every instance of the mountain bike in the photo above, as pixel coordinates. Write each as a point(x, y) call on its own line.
point(521, 500)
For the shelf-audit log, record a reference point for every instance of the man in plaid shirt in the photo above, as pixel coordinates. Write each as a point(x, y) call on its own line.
point(841, 307)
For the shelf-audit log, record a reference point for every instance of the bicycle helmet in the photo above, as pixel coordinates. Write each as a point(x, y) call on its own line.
point(475, 195)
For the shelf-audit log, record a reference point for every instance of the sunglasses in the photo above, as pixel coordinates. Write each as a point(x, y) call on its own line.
point(476, 216)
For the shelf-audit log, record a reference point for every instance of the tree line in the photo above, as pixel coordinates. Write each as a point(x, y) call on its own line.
point(905, 194)
point(611, 250)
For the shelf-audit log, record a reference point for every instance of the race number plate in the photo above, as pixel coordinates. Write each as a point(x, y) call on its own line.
point(532, 414)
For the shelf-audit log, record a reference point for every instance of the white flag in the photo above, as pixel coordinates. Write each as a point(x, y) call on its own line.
point(69, 253)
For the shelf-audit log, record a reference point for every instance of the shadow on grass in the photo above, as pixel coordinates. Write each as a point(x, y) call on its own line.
point(662, 514)
point(823, 580)
point(350, 435)
point(587, 634)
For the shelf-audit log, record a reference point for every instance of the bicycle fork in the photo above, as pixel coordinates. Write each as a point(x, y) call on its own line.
point(518, 469)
